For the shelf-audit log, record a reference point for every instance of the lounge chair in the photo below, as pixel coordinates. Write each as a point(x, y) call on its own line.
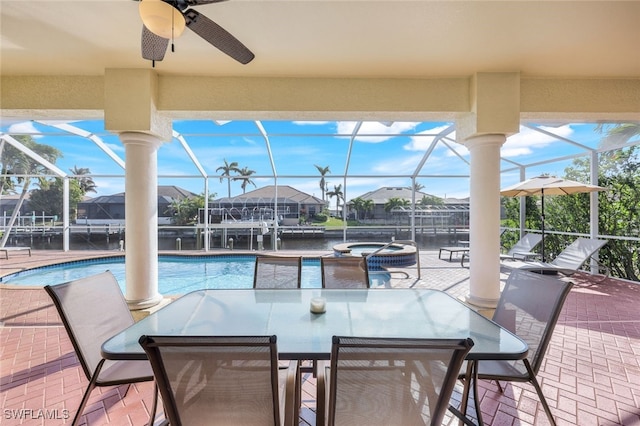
point(277, 272)
point(379, 381)
point(6, 250)
point(567, 262)
point(223, 380)
point(522, 250)
point(93, 310)
point(529, 307)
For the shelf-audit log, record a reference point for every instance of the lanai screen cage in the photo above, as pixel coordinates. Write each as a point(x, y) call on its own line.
point(356, 156)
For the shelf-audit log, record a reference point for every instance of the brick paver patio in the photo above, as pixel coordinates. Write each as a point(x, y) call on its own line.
point(591, 374)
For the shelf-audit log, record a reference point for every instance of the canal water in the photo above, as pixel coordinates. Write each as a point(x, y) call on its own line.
point(187, 242)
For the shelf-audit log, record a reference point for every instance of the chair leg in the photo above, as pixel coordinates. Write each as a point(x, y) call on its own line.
point(126, 391)
point(476, 396)
point(536, 385)
point(152, 417)
point(465, 390)
point(87, 393)
point(460, 416)
point(471, 380)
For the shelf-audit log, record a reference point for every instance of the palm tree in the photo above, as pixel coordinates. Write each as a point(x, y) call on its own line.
point(358, 205)
point(244, 177)
point(86, 183)
point(17, 163)
point(337, 192)
point(395, 202)
point(417, 186)
point(361, 206)
point(368, 207)
point(226, 171)
point(431, 200)
point(323, 172)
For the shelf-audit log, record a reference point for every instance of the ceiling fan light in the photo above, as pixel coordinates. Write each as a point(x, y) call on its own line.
point(161, 18)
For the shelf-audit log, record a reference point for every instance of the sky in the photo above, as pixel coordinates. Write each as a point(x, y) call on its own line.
point(380, 154)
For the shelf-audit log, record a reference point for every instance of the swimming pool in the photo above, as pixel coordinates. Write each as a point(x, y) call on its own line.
point(176, 274)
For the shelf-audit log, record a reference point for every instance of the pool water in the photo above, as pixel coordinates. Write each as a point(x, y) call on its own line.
point(176, 274)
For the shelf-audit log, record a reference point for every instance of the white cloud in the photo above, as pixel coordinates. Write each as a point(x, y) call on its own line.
point(422, 143)
point(24, 127)
point(381, 131)
point(310, 123)
point(528, 140)
point(115, 147)
point(395, 165)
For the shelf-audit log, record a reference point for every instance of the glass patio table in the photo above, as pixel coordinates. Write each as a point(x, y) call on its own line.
point(303, 335)
point(407, 313)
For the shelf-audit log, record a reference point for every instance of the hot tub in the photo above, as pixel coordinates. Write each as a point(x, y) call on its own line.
point(395, 255)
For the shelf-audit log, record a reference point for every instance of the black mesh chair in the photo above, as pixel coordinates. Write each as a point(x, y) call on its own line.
point(93, 310)
point(386, 382)
point(277, 272)
point(344, 272)
point(212, 380)
point(529, 307)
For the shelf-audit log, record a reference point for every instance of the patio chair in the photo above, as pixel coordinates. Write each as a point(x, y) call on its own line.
point(528, 307)
point(567, 262)
point(344, 272)
point(93, 310)
point(523, 248)
point(380, 381)
point(277, 272)
point(215, 380)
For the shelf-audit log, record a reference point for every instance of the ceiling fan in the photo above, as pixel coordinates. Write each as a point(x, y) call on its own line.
point(166, 19)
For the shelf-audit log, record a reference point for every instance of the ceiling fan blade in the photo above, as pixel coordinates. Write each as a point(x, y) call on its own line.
point(217, 36)
point(199, 2)
point(153, 46)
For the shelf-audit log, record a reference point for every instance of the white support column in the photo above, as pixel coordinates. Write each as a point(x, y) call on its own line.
point(206, 215)
point(484, 239)
point(141, 219)
point(66, 234)
point(523, 206)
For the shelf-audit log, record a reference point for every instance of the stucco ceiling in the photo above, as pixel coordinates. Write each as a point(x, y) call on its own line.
point(336, 38)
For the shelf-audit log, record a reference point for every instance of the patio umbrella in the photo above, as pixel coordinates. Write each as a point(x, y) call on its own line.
point(548, 185)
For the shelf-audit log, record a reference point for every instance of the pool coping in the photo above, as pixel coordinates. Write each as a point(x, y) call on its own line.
point(345, 248)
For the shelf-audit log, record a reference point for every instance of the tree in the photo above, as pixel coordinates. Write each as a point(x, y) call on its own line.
point(368, 207)
point(417, 186)
point(86, 183)
point(323, 172)
point(49, 196)
point(185, 211)
point(337, 192)
point(358, 205)
point(244, 177)
point(227, 169)
point(431, 200)
point(619, 206)
point(395, 202)
point(15, 162)
point(533, 217)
